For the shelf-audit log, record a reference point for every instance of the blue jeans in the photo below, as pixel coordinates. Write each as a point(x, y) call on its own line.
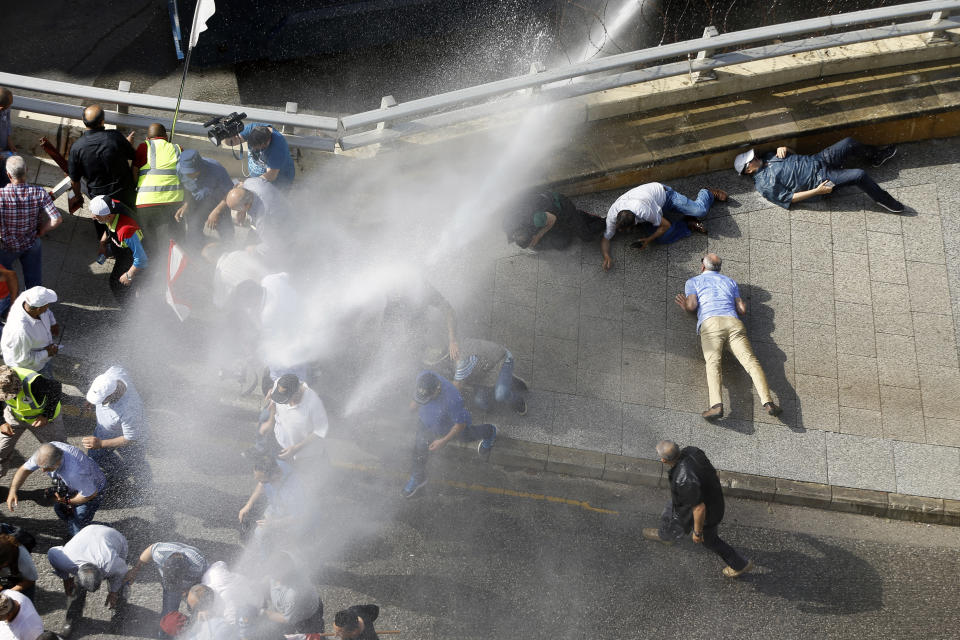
point(171, 601)
point(837, 154)
point(425, 436)
point(30, 260)
point(678, 203)
point(79, 516)
point(502, 392)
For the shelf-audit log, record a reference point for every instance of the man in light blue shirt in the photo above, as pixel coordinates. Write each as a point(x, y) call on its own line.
point(118, 442)
point(84, 483)
point(716, 299)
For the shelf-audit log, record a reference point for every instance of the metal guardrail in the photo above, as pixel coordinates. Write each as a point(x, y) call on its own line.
point(538, 88)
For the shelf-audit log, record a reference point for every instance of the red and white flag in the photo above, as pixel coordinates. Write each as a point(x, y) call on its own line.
point(176, 262)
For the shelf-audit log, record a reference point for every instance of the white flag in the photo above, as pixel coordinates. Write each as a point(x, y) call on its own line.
point(176, 262)
point(205, 9)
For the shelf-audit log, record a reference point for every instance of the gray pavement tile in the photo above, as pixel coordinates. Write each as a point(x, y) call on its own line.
point(554, 311)
point(645, 274)
point(771, 224)
point(816, 349)
point(743, 201)
point(923, 239)
point(922, 198)
point(897, 361)
point(819, 404)
point(688, 398)
point(677, 318)
point(927, 470)
point(605, 384)
point(600, 346)
point(560, 267)
point(858, 383)
point(683, 257)
point(793, 455)
point(902, 414)
point(861, 422)
point(518, 271)
point(849, 231)
point(813, 211)
point(513, 326)
point(555, 364)
point(602, 297)
point(730, 444)
point(862, 463)
point(934, 339)
point(729, 235)
point(890, 304)
point(644, 427)
point(855, 332)
point(811, 247)
point(850, 282)
point(644, 324)
point(942, 432)
point(778, 365)
point(813, 297)
point(739, 271)
point(537, 425)
point(769, 267)
point(881, 221)
point(941, 391)
point(770, 317)
point(642, 377)
point(887, 263)
point(927, 282)
point(684, 360)
point(588, 423)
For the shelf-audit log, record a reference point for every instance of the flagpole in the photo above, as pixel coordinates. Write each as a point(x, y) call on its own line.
point(186, 65)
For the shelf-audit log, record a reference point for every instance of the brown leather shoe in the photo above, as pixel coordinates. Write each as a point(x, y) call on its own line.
point(718, 194)
point(772, 408)
point(650, 533)
point(696, 226)
point(730, 572)
point(716, 411)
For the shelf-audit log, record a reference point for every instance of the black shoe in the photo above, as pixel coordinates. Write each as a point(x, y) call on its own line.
point(883, 154)
point(891, 205)
point(485, 447)
point(520, 406)
point(519, 384)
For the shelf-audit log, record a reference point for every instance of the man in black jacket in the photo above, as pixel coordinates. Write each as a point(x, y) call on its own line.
point(696, 504)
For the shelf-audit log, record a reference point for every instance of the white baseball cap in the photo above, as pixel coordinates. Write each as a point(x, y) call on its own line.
point(740, 162)
point(103, 385)
point(100, 207)
point(39, 296)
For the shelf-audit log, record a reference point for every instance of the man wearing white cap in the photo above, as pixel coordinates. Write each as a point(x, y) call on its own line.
point(784, 177)
point(125, 243)
point(18, 617)
point(27, 338)
point(118, 441)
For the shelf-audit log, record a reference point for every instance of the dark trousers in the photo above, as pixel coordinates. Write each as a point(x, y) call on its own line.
point(426, 436)
point(671, 528)
point(123, 260)
point(836, 155)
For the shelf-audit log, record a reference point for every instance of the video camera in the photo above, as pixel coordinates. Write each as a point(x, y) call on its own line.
point(224, 127)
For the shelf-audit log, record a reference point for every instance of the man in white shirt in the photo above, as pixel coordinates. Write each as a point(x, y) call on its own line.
point(297, 418)
point(27, 340)
point(19, 619)
point(646, 205)
point(96, 553)
point(118, 441)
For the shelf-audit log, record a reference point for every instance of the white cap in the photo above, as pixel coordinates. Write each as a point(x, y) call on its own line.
point(39, 296)
point(740, 162)
point(103, 385)
point(100, 207)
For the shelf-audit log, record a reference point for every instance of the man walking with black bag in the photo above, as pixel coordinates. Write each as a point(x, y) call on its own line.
point(696, 505)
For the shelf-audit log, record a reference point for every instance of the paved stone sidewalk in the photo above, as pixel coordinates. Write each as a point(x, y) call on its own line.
point(852, 312)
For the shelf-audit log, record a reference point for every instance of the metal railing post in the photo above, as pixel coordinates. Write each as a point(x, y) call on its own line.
point(290, 108)
point(938, 36)
point(385, 103)
point(704, 54)
point(535, 68)
point(123, 87)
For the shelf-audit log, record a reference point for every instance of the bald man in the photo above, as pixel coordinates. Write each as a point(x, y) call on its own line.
point(258, 203)
point(716, 300)
point(7, 147)
point(102, 158)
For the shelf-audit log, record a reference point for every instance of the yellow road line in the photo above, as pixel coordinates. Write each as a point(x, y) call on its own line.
point(582, 504)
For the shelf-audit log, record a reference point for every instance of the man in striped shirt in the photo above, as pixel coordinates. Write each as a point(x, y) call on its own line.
point(27, 213)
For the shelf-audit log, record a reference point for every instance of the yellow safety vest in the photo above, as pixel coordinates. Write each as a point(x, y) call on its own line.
point(25, 407)
point(158, 182)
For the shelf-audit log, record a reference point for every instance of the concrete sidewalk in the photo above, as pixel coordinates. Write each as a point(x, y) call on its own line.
point(852, 311)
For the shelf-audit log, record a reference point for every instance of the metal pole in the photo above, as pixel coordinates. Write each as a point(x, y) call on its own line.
point(186, 65)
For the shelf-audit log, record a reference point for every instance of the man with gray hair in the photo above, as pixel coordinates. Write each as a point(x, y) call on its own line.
point(696, 504)
point(95, 554)
point(716, 299)
point(79, 483)
point(27, 213)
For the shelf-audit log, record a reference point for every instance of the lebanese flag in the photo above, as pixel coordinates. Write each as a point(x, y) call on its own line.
point(176, 262)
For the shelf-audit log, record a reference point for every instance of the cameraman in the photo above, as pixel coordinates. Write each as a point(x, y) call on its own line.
point(269, 155)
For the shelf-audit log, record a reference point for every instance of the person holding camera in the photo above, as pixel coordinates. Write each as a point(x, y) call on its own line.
point(268, 154)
